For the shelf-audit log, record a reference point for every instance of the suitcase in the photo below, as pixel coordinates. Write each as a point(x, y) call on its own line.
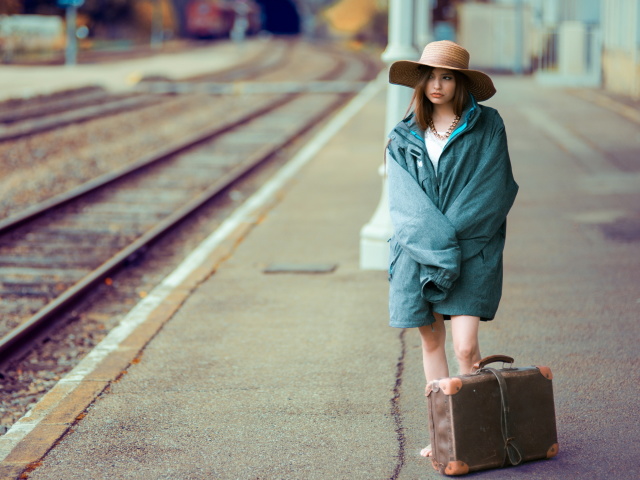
point(491, 418)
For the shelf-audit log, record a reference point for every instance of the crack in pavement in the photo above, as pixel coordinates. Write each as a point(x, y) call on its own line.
point(395, 406)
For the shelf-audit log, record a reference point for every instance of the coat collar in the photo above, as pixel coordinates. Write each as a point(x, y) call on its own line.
point(470, 115)
point(413, 134)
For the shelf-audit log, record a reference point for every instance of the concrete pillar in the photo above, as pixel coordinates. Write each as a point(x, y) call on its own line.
point(572, 48)
point(374, 249)
point(423, 23)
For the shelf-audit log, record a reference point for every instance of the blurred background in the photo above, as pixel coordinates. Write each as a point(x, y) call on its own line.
point(592, 43)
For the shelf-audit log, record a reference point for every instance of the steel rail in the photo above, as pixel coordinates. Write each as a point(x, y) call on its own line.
point(267, 59)
point(43, 207)
point(20, 338)
point(15, 342)
point(204, 135)
point(31, 126)
point(75, 115)
point(12, 111)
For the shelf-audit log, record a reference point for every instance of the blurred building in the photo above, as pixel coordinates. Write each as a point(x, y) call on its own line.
point(621, 46)
point(568, 42)
point(499, 35)
point(365, 22)
point(562, 42)
point(350, 16)
point(589, 42)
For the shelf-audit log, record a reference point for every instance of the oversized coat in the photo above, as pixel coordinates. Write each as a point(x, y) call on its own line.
point(450, 225)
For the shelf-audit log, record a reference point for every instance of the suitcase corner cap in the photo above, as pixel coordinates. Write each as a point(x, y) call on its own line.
point(456, 468)
point(546, 372)
point(451, 385)
point(553, 451)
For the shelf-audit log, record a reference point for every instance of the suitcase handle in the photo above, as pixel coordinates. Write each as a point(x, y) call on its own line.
point(491, 359)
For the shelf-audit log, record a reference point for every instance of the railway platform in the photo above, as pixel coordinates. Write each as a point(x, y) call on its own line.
point(18, 81)
point(267, 353)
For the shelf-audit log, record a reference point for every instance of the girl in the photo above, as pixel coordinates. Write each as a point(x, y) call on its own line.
point(450, 189)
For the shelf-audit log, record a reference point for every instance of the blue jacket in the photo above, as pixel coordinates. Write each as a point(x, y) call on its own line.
point(449, 228)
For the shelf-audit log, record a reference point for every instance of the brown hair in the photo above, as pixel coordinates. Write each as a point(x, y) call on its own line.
point(422, 106)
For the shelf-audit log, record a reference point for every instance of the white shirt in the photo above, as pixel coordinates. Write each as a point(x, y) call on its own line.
point(434, 147)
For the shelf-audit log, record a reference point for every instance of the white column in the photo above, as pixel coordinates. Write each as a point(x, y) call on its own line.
point(423, 22)
point(374, 249)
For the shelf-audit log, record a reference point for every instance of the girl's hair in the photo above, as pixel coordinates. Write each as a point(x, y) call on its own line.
point(422, 106)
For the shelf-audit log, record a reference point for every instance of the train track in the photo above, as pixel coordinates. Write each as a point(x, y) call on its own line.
point(52, 254)
point(24, 118)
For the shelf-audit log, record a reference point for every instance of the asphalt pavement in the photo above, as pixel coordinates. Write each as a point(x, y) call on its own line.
point(296, 375)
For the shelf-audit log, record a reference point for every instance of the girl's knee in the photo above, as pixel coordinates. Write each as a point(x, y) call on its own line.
point(432, 345)
point(466, 352)
point(465, 338)
point(432, 337)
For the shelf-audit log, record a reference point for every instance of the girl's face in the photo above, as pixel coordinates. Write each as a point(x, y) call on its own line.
point(441, 86)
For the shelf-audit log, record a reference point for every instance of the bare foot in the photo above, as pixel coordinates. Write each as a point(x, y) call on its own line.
point(426, 451)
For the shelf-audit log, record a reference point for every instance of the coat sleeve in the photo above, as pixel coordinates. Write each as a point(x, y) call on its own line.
point(423, 232)
point(481, 207)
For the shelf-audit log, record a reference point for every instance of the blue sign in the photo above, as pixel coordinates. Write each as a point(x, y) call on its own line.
point(70, 3)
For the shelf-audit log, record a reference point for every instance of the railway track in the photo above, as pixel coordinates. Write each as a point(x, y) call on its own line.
point(23, 118)
point(52, 254)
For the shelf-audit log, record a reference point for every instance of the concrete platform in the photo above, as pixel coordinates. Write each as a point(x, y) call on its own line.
point(18, 81)
point(297, 376)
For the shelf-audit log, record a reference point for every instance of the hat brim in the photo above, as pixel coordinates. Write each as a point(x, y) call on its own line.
point(408, 73)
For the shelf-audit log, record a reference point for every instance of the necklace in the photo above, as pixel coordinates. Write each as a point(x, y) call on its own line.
point(448, 132)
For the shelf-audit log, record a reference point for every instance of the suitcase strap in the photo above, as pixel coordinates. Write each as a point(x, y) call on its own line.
point(511, 449)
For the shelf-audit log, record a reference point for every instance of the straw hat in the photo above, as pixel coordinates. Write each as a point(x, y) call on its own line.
point(443, 54)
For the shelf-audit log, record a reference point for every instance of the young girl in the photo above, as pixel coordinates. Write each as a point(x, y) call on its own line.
point(450, 189)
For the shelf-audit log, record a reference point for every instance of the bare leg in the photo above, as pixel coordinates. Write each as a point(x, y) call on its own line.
point(434, 358)
point(464, 330)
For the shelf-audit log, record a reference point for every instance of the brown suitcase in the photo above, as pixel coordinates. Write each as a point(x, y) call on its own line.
point(491, 418)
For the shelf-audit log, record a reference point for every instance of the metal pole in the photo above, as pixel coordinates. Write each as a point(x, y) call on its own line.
point(374, 250)
point(71, 49)
point(240, 22)
point(156, 25)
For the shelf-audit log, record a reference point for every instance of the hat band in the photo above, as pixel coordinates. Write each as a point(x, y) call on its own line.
point(450, 62)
